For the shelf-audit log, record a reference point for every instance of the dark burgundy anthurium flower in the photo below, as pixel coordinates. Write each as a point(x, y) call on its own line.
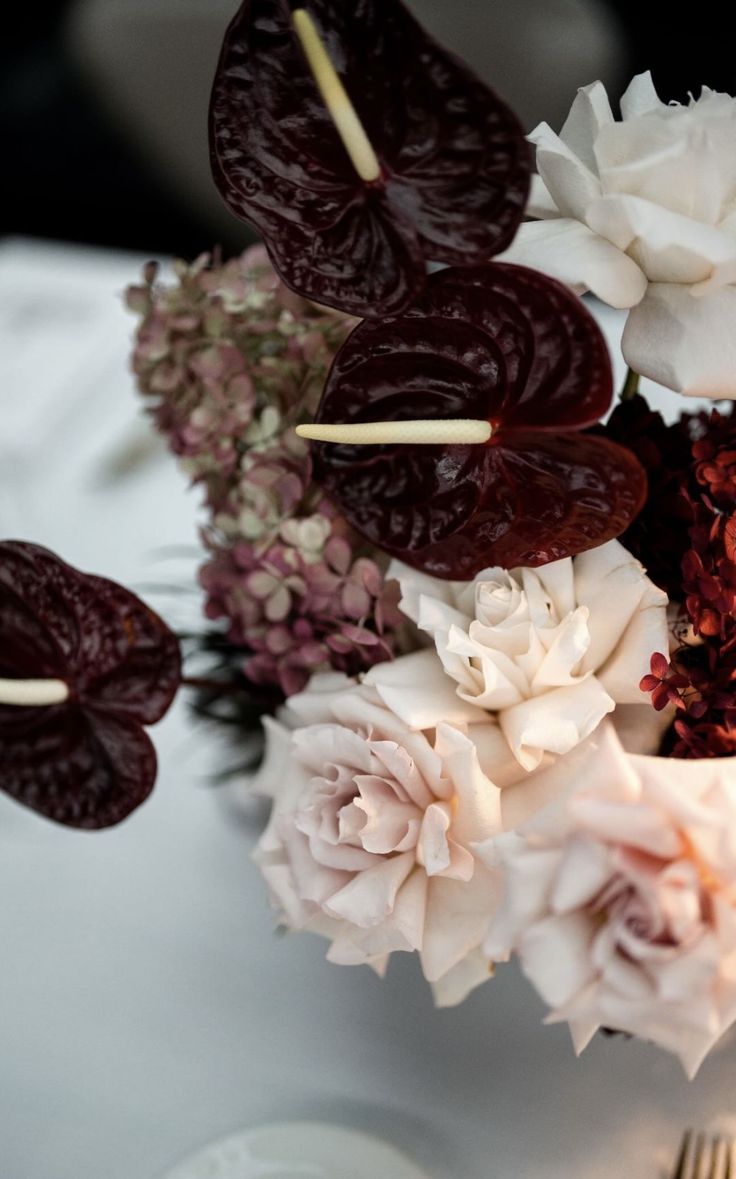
point(510, 346)
point(86, 760)
point(453, 161)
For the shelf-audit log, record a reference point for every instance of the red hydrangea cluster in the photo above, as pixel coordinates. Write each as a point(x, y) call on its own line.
point(229, 359)
point(690, 521)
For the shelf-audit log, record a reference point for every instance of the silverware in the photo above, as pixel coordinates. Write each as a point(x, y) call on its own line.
point(704, 1156)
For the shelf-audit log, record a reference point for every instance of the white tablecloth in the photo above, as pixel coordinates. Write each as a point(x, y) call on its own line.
point(146, 1004)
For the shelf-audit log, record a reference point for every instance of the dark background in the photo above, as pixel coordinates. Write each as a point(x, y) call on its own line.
point(70, 174)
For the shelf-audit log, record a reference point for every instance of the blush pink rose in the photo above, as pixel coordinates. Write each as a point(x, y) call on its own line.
point(620, 899)
point(372, 829)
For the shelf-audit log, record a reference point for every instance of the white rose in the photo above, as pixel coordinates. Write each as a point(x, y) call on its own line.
point(643, 213)
point(549, 651)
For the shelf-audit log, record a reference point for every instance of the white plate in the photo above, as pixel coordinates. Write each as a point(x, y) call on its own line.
point(298, 1150)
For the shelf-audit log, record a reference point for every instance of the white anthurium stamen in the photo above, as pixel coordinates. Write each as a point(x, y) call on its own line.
point(343, 113)
point(33, 693)
point(427, 432)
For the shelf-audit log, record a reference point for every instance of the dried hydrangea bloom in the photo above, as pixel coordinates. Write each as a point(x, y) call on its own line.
point(224, 355)
point(304, 601)
point(228, 358)
point(265, 491)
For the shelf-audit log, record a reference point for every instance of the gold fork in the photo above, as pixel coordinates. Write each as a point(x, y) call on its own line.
point(704, 1156)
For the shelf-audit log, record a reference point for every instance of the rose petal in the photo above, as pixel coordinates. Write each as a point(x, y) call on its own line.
point(417, 689)
point(572, 253)
point(369, 897)
point(555, 722)
point(414, 585)
point(628, 619)
point(569, 182)
point(494, 756)
point(556, 581)
point(455, 986)
point(313, 705)
point(640, 97)
point(402, 769)
point(555, 956)
point(540, 203)
point(584, 869)
point(647, 631)
point(477, 801)
point(357, 710)
point(685, 343)
point(436, 852)
point(589, 113)
point(567, 651)
point(526, 892)
point(320, 746)
point(539, 799)
point(661, 160)
point(403, 929)
point(457, 920)
point(669, 247)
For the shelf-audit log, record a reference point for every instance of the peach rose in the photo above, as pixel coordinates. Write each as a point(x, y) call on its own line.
point(620, 898)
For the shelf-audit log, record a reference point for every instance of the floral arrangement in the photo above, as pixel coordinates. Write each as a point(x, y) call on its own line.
point(489, 624)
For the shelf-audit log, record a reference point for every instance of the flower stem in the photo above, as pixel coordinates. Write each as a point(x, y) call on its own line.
point(33, 693)
point(631, 385)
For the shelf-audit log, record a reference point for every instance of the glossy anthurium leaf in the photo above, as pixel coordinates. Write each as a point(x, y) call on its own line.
point(454, 161)
point(501, 343)
point(86, 762)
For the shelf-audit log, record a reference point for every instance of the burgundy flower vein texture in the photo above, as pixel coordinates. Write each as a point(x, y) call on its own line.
point(504, 344)
point(88, 761)
point(454, 163)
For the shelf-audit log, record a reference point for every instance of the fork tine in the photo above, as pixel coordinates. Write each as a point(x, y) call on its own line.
point(680, 1172)
point(716, 1154)
point(698, 1163)
point(705, 1156)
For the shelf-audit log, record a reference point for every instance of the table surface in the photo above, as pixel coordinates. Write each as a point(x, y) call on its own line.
point(147, 1005)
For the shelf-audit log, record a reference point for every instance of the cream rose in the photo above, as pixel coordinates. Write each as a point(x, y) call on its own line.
point(549, 651)
point(643, 213)
point(620, 899)
point(371, 833)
